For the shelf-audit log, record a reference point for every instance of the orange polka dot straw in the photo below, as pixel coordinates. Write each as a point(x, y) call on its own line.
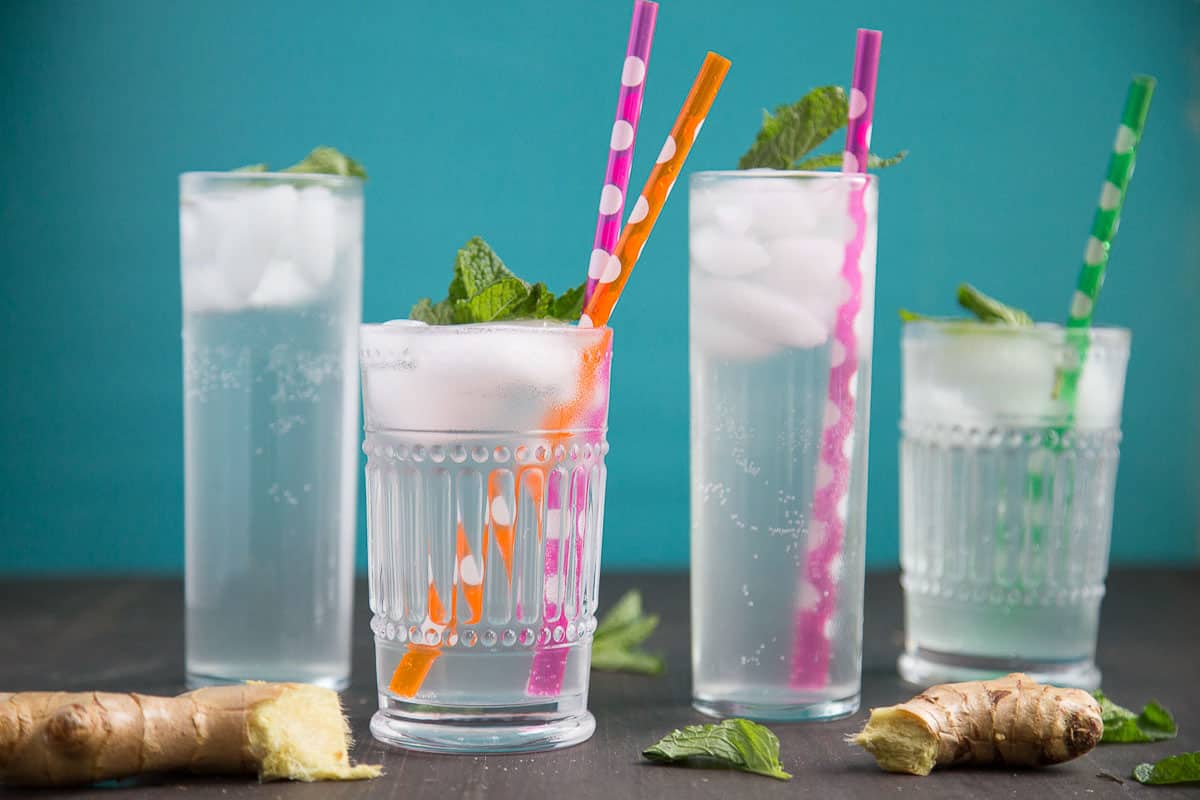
point(658, 186)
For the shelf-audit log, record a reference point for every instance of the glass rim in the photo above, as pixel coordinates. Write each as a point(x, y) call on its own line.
point(1101, 334)
point(313, 178)
point(567, 328)
point(778, 174)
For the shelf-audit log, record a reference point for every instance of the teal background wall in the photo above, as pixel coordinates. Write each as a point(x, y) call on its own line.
point(491, 118)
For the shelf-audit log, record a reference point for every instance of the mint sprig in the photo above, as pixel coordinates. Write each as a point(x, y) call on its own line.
point(1121, 725)
point(621, 630)
point(321, 161)
point(1183, 768)
point(795, 130)
point(485, 290)
point(737, 743)
point(989, 309)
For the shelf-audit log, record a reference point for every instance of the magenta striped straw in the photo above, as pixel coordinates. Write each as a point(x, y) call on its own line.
point(620, 146)
point(811, 642)
point(548, 669)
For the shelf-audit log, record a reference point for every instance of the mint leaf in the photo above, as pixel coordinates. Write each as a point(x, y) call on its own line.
point(826, 160)
point(989, 309)
point(496, 302)
point(432, 313)
point(260, 167)
point(569, 305)
point(1183, 768)
point(328, 161)
point(476, 267)
point(483, 289)
point(912, 316)
point(794, 130)
point(737, 743)
point(621, 630)
point(1121, 725)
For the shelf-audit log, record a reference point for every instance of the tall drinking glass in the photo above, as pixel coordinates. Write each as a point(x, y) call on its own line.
point(1006, 497)
point(781, 304)
point(272, 273)
point(485, 506)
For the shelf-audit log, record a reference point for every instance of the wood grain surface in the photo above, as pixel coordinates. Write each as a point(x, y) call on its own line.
point(127, 635)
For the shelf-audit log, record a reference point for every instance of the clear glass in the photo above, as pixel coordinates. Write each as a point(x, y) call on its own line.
point(776, 593)
point(485, 510)
point(1006, 502)
point(272, 274)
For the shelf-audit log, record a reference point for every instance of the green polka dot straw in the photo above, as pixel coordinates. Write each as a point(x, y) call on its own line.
point(1104, 225)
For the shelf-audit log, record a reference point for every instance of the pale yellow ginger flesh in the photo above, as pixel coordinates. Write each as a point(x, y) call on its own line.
point(275, 730)
point(1012, 721)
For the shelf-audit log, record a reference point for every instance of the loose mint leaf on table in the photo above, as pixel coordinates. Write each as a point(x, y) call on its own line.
point(737, 743)
point(1121, 725)
point(621, 630)
point(1183, 768)
point(826, 160)
point(485, 290)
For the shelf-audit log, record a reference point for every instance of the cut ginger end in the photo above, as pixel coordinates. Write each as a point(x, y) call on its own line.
point(899, 740)
point(301, 735)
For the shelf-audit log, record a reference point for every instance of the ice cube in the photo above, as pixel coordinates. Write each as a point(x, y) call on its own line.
point(715, 337)
point(282, 284)
point(808, 271)
point(349, 227)
point(727, 254)
point(756, 311)
point(252, 225)
point(311, 240)
point(204, 289)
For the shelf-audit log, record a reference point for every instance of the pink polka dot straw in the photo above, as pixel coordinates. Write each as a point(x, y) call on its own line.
point(811, 643)
point(624, 132)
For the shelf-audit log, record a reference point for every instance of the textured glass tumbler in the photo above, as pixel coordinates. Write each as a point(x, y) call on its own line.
point(485, 499)
point(272, 302)
point(781, 304)
point(1006, 495)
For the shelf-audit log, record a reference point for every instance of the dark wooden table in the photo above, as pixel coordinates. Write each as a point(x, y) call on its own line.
point(127, 635)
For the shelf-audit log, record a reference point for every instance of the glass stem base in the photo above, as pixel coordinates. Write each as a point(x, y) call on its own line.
point(778, 712)
point(436, 729)
point(924, 667)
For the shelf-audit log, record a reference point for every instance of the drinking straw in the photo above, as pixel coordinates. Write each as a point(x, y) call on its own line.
point(549, 664)
point(814, 615)
point(654, 195)
point(621, 142)
point(1104, 229)
point(1039, 480)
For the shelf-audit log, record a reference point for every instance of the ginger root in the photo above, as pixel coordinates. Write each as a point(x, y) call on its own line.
point(277, 730)
point(1012, 721)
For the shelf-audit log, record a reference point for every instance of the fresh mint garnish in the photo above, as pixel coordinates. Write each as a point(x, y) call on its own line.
point(1183, 768)
point(1121, 725)
point(485, 290)
point(826, 160)
point(328, 161)
point(621, 630)
point(795, 130)
point(321, 161)
point(989, 309)
point(737, 743)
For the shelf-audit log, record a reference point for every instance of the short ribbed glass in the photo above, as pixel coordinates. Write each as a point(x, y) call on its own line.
point(485, 500)
point(1006, 495)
